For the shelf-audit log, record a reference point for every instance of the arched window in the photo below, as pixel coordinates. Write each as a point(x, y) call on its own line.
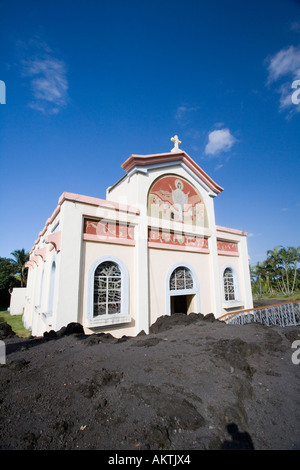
point(51, 288)
point(229, 285)
point(108, 293)
point(107, 289)
point(181, 279)
point(41, 287)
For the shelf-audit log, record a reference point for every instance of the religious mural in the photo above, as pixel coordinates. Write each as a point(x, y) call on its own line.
point(161, 237)
point(227, 247)
point(174, 198)
point(108, 229)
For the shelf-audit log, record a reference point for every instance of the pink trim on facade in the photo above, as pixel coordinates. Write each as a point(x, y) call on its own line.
point(41, 252)
point(48, 222)
point(144, 160)
point(104, 239)
point(54, 214)
point(93, 201)
point(227, 253)
point(42, 232)
point(29, 264)
point(55, 239)
point(231, 230)
point(161, 246)
point(35, 259)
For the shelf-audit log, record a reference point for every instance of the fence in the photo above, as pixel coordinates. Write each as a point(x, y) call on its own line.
point(285, 314)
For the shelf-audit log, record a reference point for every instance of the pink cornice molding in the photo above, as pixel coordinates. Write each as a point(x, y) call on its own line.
point(54, 214)
point(48, 222)
point(43, 232)
point(55, 239)
point(41, 252)
point(177, 247)
point(93, 201)
point(145, 160)
point(228, 253)
point(231, 230)
point(103, 239)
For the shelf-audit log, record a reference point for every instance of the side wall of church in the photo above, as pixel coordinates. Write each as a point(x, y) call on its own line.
point(41, 291)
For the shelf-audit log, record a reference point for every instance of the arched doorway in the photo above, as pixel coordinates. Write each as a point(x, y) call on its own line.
point(182, 290)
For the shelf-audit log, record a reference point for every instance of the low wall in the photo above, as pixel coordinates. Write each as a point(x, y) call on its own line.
point(17, 301)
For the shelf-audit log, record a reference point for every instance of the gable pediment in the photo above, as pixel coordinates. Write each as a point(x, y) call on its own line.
point(139, 162)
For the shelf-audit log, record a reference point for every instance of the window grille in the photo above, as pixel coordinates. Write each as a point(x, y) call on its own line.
point(107, 289)
point(181, 279)
point(228, 278)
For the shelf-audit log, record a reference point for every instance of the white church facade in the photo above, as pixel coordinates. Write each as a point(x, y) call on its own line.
point(151, 248)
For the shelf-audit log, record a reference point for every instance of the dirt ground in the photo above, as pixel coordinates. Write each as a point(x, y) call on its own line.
point(193, 383)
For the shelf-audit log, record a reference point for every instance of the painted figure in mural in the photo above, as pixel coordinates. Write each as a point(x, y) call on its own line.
point(179, 198)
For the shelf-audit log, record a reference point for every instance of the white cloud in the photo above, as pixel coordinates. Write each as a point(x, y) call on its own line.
point(219, 166)
point(48, 80)
point(220, 140)
point(285, 62)
point(183, 112)
point(251, 234)
point(284, 66)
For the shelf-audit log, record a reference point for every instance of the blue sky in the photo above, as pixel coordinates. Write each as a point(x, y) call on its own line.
point(89, 83)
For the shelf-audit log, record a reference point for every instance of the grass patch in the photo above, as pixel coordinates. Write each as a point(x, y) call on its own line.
point(16, 322)
point(279, 297)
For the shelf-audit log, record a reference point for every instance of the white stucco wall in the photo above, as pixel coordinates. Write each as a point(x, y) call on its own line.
point(161, 262)
point(17, 301)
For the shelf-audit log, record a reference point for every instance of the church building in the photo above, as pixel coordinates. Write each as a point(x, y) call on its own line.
point(151, 248)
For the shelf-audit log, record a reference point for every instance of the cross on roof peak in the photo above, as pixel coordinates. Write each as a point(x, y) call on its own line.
point(176, 143)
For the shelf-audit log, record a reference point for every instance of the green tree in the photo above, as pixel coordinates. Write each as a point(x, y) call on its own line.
point(287, 256)
point(20, 260)
point(7, 273)
point(295, 255)
point(258, 274)
point(274, 263)
point(7, 280)
point(279, 272)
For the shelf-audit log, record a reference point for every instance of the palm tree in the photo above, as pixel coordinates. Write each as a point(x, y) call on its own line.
point(295, 253)
point(258, 271)
point(287, 256)
point(275, 261)
point(284, 255)
point(278, 272)
point(20, 260)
